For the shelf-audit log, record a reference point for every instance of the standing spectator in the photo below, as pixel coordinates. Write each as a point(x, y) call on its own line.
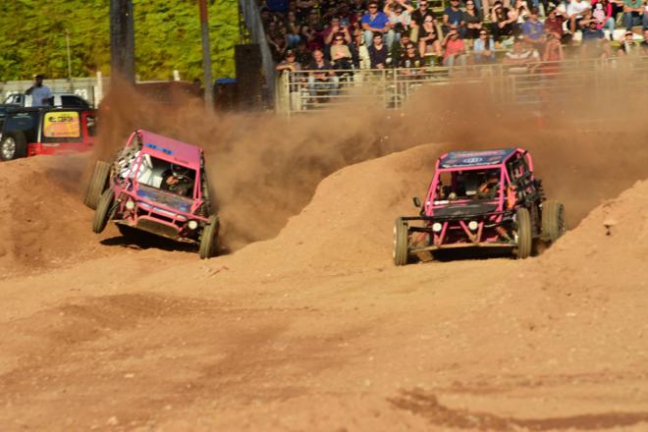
point(473, 20)
point(603, 13)
point(429, 38)
point(575, 12)
point(321, 76)
point(40, 93)
point(290, 64)
point(277, 41)
point(455, 50)
point(375, 21)
point(378, 52)
point(411, 65)
point(502, 24)
point(533, 29)
point(484, 48)
point(418, 17)
point(398, 12)
point(633, 14)
point(453, 19)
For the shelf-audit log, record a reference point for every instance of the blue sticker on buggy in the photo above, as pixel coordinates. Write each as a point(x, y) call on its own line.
point(166, 199)
point(158, 148)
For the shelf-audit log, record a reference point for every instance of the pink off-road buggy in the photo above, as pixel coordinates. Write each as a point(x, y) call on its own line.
point(480, 199)
point(158, 185)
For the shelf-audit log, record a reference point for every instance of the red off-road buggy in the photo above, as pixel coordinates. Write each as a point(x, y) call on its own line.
point(158, 185)
point(480, 199)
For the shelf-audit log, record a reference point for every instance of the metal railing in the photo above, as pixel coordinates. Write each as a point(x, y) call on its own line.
point(308, 91)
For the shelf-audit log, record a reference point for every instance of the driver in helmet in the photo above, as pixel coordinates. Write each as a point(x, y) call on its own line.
point(177, 180)
point(489, 188)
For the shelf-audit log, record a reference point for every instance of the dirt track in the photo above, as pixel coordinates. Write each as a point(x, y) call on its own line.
point(314, 329)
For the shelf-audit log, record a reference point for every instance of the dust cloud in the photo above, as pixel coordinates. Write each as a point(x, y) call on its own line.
point(264, 168)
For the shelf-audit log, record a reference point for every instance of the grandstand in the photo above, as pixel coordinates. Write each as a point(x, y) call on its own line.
point(517, 51)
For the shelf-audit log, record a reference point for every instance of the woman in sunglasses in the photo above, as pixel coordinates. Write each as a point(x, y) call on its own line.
point(484, 48)
point(473, 20)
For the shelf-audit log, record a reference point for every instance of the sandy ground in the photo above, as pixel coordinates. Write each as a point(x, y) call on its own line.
point(315, 329)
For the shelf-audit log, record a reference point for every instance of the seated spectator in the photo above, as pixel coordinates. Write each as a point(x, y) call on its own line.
point(521, 12)
point(455, 50)
point(341, 54)
point(304, 8)
point(398, 12)
point(521, 59)
point(604, 16)
point(628, 46)
point(303, 55)
point(484, 48)
point(473, 20)
point(292, 30)
point(336, 29)
point(411, 64)
point(358, 6)
point(553, 54)
point(378, 52)
point(428, 38)
point(592, 36)
point(575, 12)
point(310, 37)
point(277, 41)
point(374, 21)
point(399, 49)
point(633, 14)
point(321, 76)
point(418, 17)
point(533, 29)
point(290, 64)
point(644, 44)
point(453, 19)
point(554, 25)
point(502, 23)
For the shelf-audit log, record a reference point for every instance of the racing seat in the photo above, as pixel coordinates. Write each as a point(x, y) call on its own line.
point(471, 186)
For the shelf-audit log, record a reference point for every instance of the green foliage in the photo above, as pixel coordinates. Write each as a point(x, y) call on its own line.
point(167, 37)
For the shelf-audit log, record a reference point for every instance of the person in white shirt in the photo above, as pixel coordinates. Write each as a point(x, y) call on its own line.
point(576, 11)
point(40, 93)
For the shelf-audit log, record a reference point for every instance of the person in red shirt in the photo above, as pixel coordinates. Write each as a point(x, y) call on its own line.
point(455, 50)
point(554, 25)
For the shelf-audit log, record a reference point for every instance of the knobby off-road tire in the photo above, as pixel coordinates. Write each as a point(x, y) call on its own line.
point(209, 238)
point(97, 184)
point(524, 234)
point(553, 220)
point(401, 242)
point(13, 146)
point(102, 215)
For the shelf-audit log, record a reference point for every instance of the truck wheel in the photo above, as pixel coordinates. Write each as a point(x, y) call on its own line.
point(524, 233)
point(13, 146)
point(553, 220)
point(103, 209)
point(209, 238)
point(97, 184)
point(401, 242)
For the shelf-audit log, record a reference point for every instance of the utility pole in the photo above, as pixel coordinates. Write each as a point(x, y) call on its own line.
point(207, 64)
point(69, 57)
point(122, 40)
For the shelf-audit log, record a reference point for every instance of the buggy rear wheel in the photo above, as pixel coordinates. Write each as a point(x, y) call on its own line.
point(97, 184)
point(102, 214)
point(401, 242)
point(524, 233)
point(209, 238)
point(13, 146)
point(553, 221)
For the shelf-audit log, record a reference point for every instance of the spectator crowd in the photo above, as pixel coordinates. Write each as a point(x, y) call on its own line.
point(328, 37)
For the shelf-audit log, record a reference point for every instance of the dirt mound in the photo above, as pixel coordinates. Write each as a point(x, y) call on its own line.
point(43, 224)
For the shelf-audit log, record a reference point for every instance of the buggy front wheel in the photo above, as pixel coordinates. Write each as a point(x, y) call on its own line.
point(524, 234)
point(401, 242)
point(553, 220)
point(209, 238)
point(102, 214)
point(97, 184)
